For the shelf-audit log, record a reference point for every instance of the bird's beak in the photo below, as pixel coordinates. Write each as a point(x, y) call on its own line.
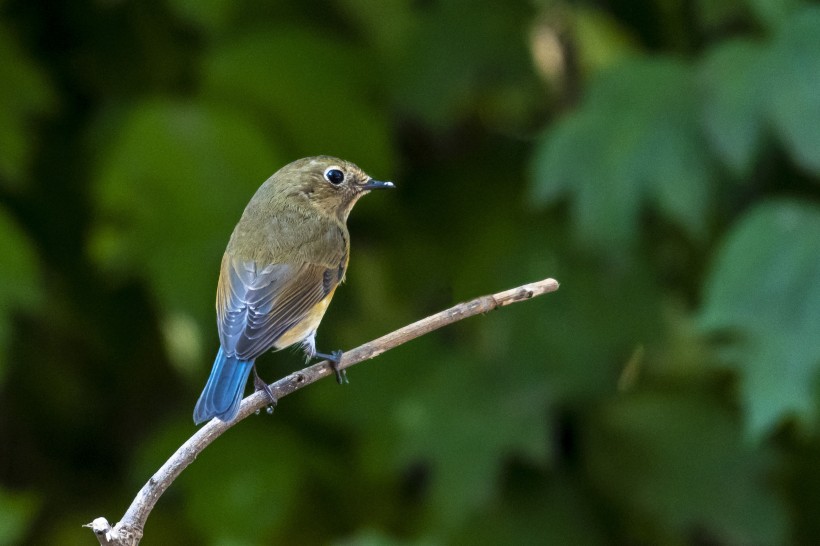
point(377, 185)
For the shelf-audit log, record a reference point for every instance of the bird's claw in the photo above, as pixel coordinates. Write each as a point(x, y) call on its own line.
point(341, 375)
point(334, 358)
point(259, 384)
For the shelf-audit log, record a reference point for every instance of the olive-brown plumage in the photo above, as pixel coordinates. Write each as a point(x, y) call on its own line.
point(284, 260)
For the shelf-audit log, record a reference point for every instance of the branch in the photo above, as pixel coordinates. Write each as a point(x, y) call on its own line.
point(129, 530)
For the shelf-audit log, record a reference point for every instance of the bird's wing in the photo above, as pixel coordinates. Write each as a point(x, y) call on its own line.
point(256, 304)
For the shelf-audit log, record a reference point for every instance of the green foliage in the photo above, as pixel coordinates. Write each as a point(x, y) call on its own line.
point(734, 105)
point(190, 165)
point(24, 95)
point(329, 113)
point(637, 141)
point(553, 512)
point(238, 484)
point(17, 511)
point(753, 89)
point(374, 538)
point(682, 463)
point(660, 162)
point(443, 426)
point(20, 287)
point(761, 293)
point(212, 16)
point(796, 73)
point(601, 40)
point(634, 143)
point(457, 60)
point(772, 12)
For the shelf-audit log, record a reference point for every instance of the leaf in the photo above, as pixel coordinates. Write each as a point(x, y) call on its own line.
point(25, 94)
point(172, 185)
point(772, 12)
point(20, 287)
point(601, 40)
point(17, 512)
point(763, 291)
point(675, 464)
point(467, 432)
point(751, 88)
point(387, 25)
point(211, 15)
point(794, 80)
point(634, 142)
point(735, 102)
point(457, 60)
point(318, 93)
point(718, 14)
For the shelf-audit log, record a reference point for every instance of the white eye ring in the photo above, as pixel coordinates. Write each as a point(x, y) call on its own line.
point(334, 175)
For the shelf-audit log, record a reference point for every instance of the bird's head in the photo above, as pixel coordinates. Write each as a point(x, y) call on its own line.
point(330, 184)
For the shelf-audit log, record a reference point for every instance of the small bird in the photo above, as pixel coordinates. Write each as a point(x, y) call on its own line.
point(285, 258)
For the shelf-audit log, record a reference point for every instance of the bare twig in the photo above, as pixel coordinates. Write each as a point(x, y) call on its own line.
point(128, 531)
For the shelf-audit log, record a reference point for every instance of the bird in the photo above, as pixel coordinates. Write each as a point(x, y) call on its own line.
point(284, 260)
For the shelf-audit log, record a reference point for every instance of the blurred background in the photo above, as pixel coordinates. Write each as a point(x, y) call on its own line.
point(661, 159)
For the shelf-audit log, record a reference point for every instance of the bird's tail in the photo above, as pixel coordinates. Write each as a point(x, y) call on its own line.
point(224, 389)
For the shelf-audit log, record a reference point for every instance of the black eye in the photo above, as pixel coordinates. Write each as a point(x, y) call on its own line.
point(335, 176)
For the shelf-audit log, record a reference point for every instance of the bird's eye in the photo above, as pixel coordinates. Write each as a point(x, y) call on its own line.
point(334, 176)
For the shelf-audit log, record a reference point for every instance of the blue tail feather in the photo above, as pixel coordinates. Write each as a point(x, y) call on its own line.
point(224, 389)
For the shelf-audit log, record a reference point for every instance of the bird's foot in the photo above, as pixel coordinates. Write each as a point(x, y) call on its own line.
point(260, 384)
point(335, 358)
